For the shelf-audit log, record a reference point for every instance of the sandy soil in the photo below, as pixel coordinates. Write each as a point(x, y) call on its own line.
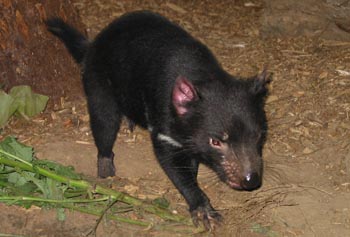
point(306, 189)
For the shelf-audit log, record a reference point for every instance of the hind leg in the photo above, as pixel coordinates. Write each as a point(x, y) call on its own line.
point(105, 119)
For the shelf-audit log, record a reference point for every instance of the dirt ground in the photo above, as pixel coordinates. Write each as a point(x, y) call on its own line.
point(306, 190)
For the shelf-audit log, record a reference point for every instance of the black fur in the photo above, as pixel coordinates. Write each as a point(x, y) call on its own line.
point(155, 74)
point(76, 42)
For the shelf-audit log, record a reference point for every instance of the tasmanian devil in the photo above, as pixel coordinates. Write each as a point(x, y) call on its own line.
point(156, 75)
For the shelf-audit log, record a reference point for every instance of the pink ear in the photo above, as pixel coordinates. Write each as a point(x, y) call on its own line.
point(183, 93)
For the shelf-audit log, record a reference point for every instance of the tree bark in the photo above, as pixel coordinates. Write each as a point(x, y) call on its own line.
point(29, 55)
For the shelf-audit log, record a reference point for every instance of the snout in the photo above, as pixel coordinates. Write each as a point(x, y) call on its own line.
point(251, 181)
point(243, 175)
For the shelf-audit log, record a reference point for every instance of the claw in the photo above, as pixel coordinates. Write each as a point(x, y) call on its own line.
point(208, 216)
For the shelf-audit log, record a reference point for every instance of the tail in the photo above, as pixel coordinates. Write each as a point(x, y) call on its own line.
point(76, 43)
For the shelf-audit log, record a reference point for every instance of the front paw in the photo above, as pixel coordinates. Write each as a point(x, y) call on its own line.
point(208, 215)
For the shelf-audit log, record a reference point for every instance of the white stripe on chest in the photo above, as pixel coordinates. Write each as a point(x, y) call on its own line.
point(169, 140)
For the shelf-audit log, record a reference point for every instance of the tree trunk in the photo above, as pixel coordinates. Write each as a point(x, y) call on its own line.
point(29, 55)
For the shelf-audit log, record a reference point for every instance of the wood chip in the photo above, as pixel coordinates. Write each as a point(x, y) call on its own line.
point(176, 8)
point(343, 72)
point(307, 150)
point(84, 143)
point(271, 99)
point(323, 75)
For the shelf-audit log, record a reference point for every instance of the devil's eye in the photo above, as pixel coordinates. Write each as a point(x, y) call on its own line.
point(214, 142)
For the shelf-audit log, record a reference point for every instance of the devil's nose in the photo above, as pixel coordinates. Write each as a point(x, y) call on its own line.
point(251, 181)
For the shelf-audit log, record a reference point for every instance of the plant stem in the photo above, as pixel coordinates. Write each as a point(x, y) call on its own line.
point(37, 199)
point(109, 216)
point(67, 203)
point(120, 196)
point(10, 235)
point(14, 157)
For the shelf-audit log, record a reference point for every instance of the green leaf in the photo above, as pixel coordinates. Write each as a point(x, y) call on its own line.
point(13, 147)
point(17, 179)
point(40, 183)
point(28, 103)
point(61, 215)
point(161, 202)
point(53, 189)
point(10, 145)
point(264, 230)
point(27, 189)
point(8, 107)
point(67, 171)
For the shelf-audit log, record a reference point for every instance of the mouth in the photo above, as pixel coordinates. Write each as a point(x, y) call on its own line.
point(234, 185)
